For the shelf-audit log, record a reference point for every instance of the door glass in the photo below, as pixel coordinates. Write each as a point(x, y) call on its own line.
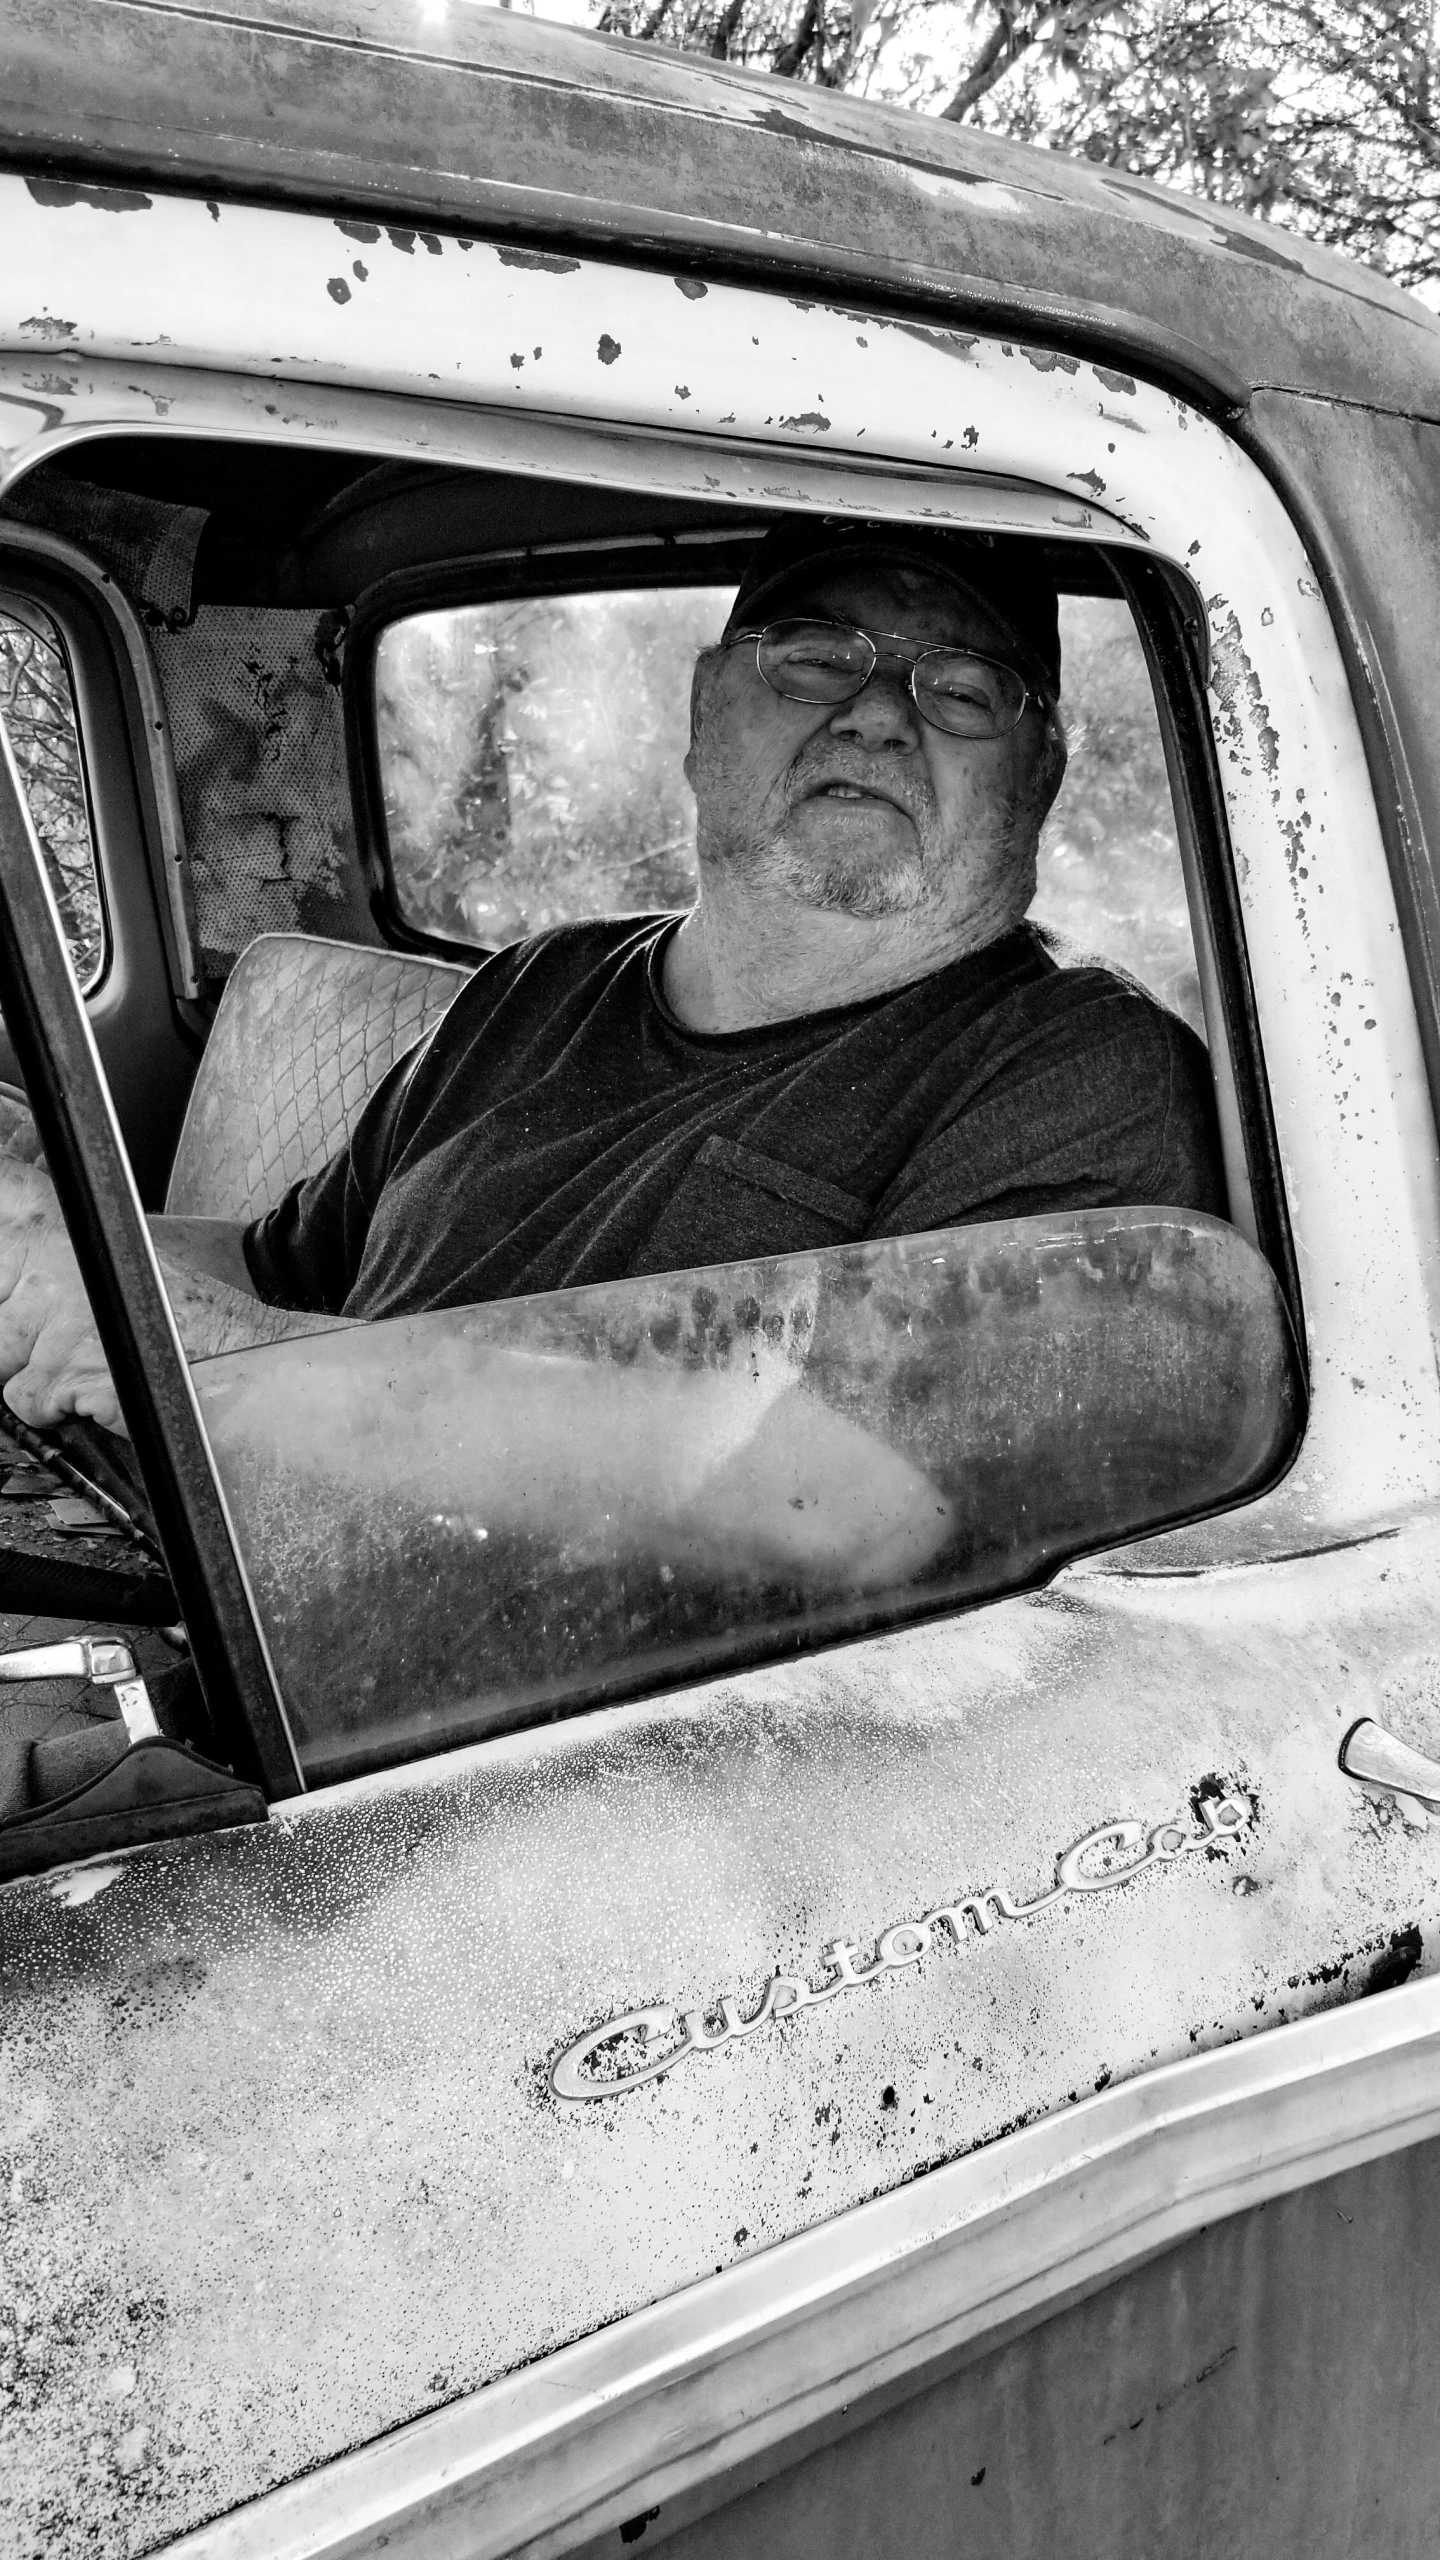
point(37, 710)
point(462, 1521)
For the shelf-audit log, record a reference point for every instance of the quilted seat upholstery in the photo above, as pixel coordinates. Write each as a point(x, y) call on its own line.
point(303, 1032)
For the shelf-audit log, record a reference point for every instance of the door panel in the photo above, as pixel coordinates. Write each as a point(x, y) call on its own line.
point(308, 2068)
point(1270, 2386)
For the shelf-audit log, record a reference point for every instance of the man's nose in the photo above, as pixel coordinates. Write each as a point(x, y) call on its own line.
point(882, 717)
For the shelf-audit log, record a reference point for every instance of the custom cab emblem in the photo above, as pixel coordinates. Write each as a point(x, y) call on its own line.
point(1105, 1859)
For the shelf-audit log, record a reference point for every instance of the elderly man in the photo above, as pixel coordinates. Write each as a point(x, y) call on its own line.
point(852, 1033)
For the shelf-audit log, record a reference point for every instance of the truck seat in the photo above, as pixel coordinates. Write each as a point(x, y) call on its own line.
point(304, 1031)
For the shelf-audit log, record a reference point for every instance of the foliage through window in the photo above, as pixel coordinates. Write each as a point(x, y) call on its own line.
point(37, 709)
point(531, 754)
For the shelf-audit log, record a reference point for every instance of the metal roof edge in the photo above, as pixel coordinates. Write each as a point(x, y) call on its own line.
point(634, 237)
point(479, 122)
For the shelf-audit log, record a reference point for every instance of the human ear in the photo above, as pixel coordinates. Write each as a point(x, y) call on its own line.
point(699, 682)
point(1050, 764)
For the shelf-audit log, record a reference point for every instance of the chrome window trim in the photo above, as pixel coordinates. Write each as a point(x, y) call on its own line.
point(670, 2400)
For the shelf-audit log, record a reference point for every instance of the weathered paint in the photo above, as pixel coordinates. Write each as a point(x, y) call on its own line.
point(281, 2139)
point(268, 2090)
point(421, 112)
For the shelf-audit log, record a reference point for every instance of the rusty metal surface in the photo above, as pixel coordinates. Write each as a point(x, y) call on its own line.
point(1366, 491)
point(284, 2165)
point(457, 1522)
point(469, 118)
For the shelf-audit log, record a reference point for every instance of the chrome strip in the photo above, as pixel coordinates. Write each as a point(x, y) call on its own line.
point(178, 904)
point(678, 2395)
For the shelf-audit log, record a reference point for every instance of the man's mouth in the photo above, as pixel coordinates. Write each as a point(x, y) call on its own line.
point(850, 791)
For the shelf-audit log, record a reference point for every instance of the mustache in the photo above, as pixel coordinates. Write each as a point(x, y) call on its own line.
point(821, 762)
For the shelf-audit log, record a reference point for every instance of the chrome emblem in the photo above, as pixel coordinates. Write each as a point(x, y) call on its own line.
point(1107, 1858)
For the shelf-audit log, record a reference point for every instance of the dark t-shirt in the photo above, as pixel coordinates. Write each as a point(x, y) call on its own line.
point(560, 1126)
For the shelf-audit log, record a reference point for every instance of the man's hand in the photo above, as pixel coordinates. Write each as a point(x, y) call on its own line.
point(51, 1363)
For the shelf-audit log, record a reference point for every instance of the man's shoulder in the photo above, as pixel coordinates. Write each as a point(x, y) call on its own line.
point(543, 969)
point(572, 949)
point(1078, 1089)
point(1094, 993)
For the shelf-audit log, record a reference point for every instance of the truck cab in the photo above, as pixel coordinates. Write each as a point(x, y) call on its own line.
point(786, 1904)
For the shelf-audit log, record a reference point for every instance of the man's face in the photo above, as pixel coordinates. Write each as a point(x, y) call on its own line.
point(863, 807)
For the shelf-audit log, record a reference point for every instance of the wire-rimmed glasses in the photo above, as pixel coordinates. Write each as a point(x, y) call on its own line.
point(961, 691)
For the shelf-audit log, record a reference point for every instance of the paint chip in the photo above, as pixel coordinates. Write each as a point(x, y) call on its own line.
point(82, 1884)
point(543, 261)
point(63, 192)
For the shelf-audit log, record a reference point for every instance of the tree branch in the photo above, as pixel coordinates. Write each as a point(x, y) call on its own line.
point(1004, 45)
point(725, 27)
point(790, 56)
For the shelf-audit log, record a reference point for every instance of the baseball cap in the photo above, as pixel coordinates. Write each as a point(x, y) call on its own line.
point(1003, 572)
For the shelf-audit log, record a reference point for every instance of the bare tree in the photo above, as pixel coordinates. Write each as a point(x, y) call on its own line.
point(1318, 114)
point(38, 715)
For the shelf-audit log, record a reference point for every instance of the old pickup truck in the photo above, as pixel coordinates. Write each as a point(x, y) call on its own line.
point(444, 1762)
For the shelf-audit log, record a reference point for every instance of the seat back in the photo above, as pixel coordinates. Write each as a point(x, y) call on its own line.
point(304, 1031)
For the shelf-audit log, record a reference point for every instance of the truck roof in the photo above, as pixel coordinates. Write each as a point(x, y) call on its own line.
point(450, 115)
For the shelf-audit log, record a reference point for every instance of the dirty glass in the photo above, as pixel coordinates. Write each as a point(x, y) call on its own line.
point(37, 712)
point(468, 1520)
point(530, 756)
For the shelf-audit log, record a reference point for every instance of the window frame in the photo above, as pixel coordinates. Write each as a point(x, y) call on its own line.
point(142, 1008)
point(1169, 622)
point(65, 1086)
point(1170, 625)
point(1039, 415)
point(13, 602)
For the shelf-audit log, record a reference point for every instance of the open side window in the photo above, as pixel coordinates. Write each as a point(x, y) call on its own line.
point(517, 728)
point(447, 1523)
point(469, 1520)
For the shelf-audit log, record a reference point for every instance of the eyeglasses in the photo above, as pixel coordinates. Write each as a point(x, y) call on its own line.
point(957, 690)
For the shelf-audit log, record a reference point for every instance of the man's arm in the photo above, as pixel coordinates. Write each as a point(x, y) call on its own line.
point(51, 1362)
